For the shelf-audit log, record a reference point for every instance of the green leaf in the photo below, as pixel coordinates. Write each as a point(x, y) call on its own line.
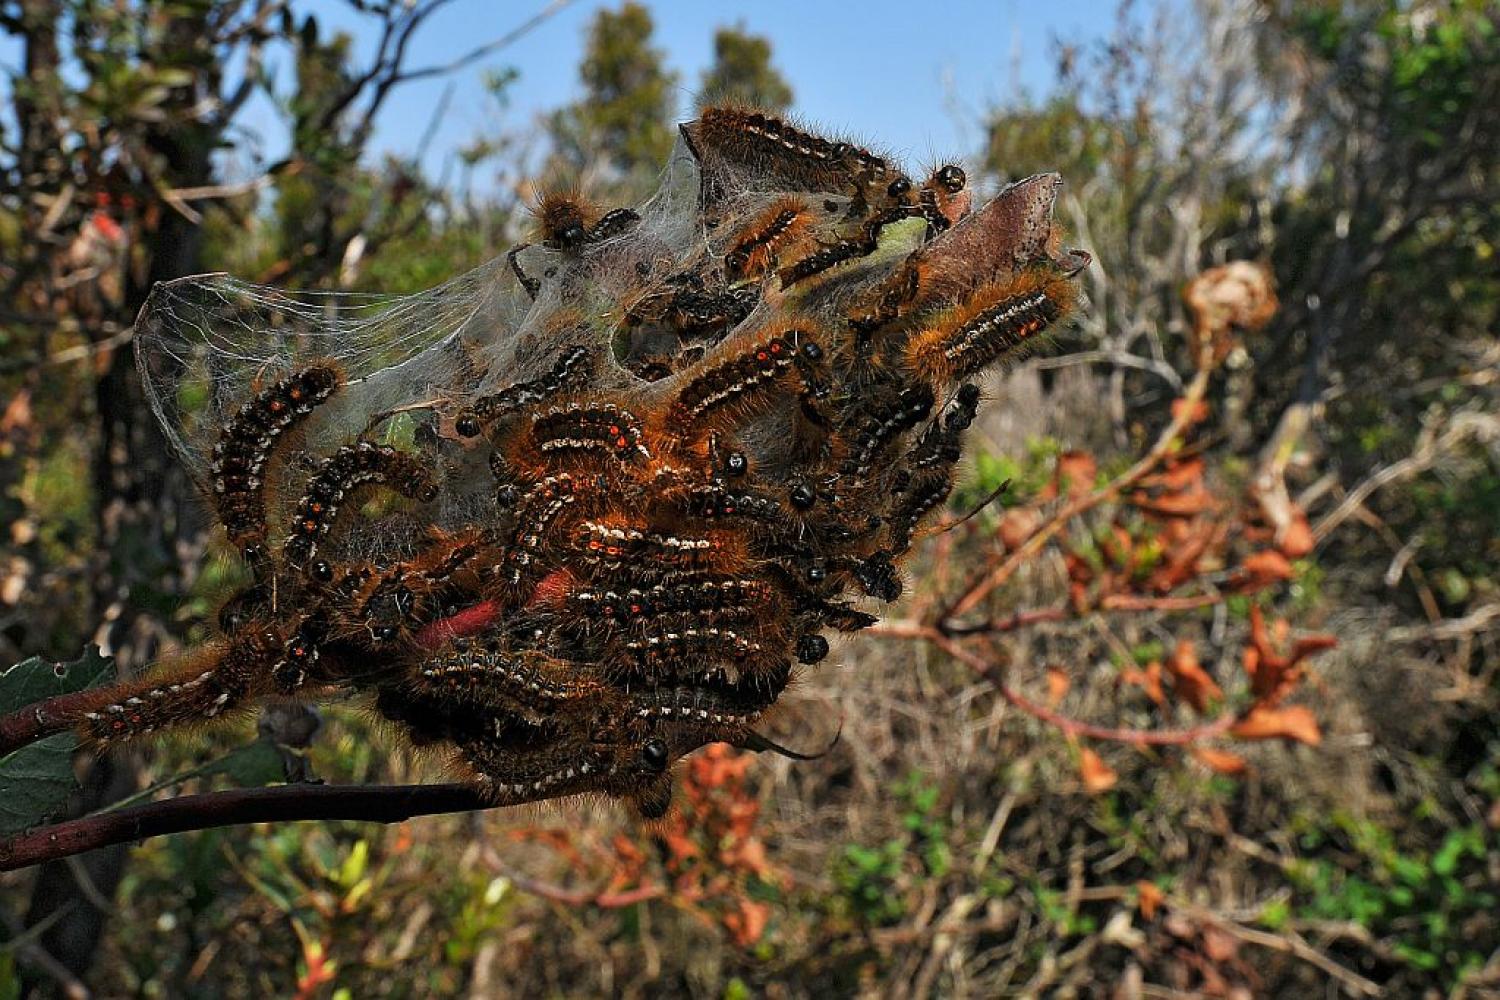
point(249, 766)
point(36, 679)
point(10, 979)
point(37, 780)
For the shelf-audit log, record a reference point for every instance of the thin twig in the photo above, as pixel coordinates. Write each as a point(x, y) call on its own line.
point(489, 48)
point(1069, 726)
point(1427, 452)
point(1120, 359)
point(1480, 620)
point(603, 899)
point(1290, 943)
point(1186, 414)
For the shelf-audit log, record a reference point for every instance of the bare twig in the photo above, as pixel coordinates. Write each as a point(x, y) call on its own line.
point(603, 899)
point(488, 48)
point(1479, 620)
point(1290, 943)
point(1186, 414)
point(1429, 449)
point(1071, 727)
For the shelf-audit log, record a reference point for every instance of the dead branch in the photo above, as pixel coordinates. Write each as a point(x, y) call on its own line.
point(1186, 412)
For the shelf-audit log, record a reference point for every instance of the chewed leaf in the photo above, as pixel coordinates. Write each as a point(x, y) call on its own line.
point(37, 780)
point(1098, 777)
point(35, 679)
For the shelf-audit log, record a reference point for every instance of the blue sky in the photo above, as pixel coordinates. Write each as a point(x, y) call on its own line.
point(911, 77)
point(897, 73)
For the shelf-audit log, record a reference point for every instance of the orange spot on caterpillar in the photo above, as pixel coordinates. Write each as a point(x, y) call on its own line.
point(742, 377)
point(625, 554)
point(342, 473)
point(581, 428)
point(211, 682)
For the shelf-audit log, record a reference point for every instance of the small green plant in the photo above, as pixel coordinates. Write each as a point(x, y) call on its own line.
point(867, 877)
point(866, 880)
point(1427, 903)
point(928, 830)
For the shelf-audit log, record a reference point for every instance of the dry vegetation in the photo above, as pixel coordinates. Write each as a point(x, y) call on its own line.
point(1102, 748)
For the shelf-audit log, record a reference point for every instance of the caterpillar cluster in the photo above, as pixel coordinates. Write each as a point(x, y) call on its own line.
point(738, 408)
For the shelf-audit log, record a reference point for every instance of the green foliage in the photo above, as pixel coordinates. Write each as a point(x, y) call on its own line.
point(10, 978)
point(38, 778)
point(36, 679)
point(1434, 56)
point(37, 781)
point(1436, 905)
point(927, 830)
point(869, 878)
point(742, 73)
point(866, 880)
point(625, 116)
point(1026, 476)
point(1055, 135)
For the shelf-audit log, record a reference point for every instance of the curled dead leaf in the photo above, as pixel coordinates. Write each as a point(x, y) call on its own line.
point(1219, 761)
point(1148, 680)
point(747, 922)
point(1075, 473)
point(1238, 294)
point(1294, 722)
point(1196, 415)
point(1260, 570)
point(1148, 897)
point(1190, 681)
point(1297, 540)
point(1098, 777)
point(1016, 526)
point(1057, 686)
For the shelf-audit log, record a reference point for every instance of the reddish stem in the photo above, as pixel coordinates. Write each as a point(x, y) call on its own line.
point(43, 718)
point(1185, 415)
point(279, 803)
point(606, 900)
point(1072, 727)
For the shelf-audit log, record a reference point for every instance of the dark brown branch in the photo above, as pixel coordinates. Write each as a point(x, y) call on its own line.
point(279, 803)
point(42, 719)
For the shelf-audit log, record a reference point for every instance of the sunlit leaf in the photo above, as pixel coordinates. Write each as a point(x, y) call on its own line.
point(1219, 761)
point(1294, 722)
point(1098, 777)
